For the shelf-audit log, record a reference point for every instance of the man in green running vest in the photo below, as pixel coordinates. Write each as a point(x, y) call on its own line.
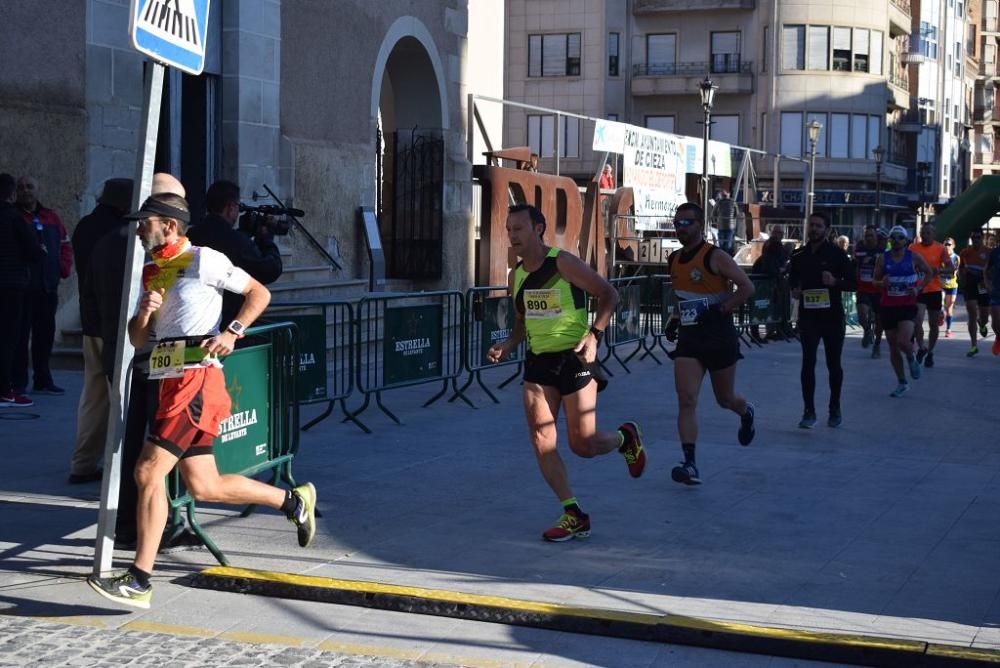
point(550, 288)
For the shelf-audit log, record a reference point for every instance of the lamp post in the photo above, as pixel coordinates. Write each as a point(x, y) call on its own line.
point(922, 169)
point(879, 154)
point(707, 89)
point(810, 184)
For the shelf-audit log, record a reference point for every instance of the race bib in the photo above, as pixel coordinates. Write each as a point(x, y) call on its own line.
point(690, 309)
point(900, 286)
point(542, 304)
point(167, 360)
point(867, 275)
point(816, 299)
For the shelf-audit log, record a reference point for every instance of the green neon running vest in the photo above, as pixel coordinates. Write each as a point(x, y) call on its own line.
point(554, 310)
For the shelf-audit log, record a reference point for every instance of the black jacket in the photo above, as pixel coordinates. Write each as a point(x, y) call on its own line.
point(805, 272)
point(18, 248)
point(261, 258)
point(91, 228)
point(102, 289)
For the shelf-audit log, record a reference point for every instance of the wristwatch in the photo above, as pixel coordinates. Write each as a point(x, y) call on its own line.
point(237, 328)
point(598, 334)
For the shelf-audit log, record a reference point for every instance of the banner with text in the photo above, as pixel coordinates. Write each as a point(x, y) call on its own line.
point(412, 344)
point(655, 166)
point(498, 323)
point(243, 437)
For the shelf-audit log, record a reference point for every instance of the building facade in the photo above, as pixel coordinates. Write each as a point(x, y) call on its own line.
point(333, 106)
point(864, 72)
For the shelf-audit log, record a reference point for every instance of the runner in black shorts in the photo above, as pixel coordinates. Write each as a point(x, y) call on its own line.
point(549, 287)
point(701, 279)
point(971, 275)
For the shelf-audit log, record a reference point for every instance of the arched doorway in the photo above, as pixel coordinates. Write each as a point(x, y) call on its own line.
point(409, 154)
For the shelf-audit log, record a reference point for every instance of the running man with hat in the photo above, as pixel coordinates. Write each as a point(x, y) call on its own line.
point(898, 273)
point(550, 288)
point(176, 333)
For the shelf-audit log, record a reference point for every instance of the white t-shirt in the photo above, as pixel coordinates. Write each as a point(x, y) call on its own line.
point(193, 283)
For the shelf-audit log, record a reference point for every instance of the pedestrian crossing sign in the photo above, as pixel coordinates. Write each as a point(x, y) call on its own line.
point(171, 31)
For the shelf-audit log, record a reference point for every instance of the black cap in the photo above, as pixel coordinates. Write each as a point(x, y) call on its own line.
point(117, 193)
point(155, 207)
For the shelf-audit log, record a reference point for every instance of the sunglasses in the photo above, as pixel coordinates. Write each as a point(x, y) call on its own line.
point(684, 222)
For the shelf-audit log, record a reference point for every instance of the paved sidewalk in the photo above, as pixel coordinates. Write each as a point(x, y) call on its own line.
point(886, 526)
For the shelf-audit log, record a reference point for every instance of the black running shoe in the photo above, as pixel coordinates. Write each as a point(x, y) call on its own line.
point(808, 420)
point(929, 361)
point(747, 429)
point(921, 354)
point(836, 418)
point(686, 474)
point(123, 588)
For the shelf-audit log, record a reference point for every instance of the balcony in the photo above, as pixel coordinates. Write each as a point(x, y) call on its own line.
point(988, 70)
point(910, 124)
point(899, 18)
point(986, 114)
point(640, 7)
point(986, 158)
point(914, 57)
point(731, 74)
point(898, 90)
point(990, 25)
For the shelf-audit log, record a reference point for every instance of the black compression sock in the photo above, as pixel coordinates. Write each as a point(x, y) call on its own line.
point(289, 504)
point(688, 449)
point(141, 576)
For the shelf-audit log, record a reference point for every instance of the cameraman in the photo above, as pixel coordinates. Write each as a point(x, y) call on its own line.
point(252, 250)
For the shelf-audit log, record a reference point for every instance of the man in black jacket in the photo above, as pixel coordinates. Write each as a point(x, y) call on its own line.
point(257, 255)
point(18, 249)
point(818, 273)
point(92, 412)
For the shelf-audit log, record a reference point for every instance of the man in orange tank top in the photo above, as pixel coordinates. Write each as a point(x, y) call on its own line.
point(931, 300)
point(702, 277)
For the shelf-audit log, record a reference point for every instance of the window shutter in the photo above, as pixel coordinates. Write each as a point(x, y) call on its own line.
point(842, 39)
point(553, 55)
point(725, 42)
point(534, 55)
point(819, 48)
point(793, 47)
point(660, 53)
point(875, 60)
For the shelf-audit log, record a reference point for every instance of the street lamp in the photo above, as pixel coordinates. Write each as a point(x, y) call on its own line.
point(707, 89)
point(810, 185)
point(879, 154)
point(923, 168)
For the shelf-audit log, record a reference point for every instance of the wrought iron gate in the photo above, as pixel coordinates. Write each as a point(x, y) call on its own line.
point(412, 224)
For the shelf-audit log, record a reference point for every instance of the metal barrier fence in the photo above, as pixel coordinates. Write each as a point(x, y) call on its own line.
point(262, 434)
point(628, 324)
point(489, 320)
point(403, 340)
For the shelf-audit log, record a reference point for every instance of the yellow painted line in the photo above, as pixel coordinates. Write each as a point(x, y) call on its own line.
point(263, 638)
point(93, 622)
point(681, 621)
point(169, 629)
point(967, 653)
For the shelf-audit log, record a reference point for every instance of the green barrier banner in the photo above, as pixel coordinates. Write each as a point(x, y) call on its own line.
point(411, 346)
point(628, 314)
point(243, 436)
point(311, 383)
point(762, 302)
point(498, 323)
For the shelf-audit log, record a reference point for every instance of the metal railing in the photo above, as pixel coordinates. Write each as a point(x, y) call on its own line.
point(489, 321)
point(903, 5)
point(899, 79)
point(727, 66)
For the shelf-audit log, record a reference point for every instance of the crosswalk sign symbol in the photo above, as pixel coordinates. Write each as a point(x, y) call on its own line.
point(171, 31)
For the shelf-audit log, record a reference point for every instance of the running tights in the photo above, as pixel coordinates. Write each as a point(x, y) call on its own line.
point(832, 336)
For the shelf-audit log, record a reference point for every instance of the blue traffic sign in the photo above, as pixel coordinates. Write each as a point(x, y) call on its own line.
point(171, 31)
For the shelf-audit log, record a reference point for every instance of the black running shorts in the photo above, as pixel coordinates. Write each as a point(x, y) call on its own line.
point(893, 315)
point(872, 300)
point(564, 371)
point(934, 301)
point(714, 343)
point(971, 293)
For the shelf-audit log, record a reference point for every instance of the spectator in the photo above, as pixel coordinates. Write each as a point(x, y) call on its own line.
point(773, 263)
point(92, 412)
point(607, 180)
point(257, 255)
point(38, 321)
point(18, 249)
point(844, 244)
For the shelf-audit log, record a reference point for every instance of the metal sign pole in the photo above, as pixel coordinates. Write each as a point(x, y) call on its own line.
point(124, 352)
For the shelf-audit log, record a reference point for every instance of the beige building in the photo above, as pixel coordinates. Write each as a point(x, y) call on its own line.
point(986, 118)
point(779, 66)
point(334, 106)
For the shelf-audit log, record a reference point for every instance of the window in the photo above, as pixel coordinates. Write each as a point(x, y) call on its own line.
point(860, 50)
point(928, 40)
point(842, 49)
point(554, 55)
point(661, 54)
point(958, 59)
point(875, 64)
point(660, 123)
point(791, 133)
point(726, 129)
point(821, 140)
point(793, 47)
point(839, 134)
point(763, 52)
point(614, 40)
point(613, 117)
point(874, 133)
point(541, 136)
point(725, 52)
point(818, 55)
point(859, 136)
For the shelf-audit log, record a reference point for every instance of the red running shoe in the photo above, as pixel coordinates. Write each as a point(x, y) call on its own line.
point(568, 527)
point(12, 400)
point(996, 345)
point(632, 450)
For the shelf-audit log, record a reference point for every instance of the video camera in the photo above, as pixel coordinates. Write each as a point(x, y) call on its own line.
point(267, 216)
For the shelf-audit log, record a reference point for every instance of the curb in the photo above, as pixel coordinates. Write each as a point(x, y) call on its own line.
point(668, 628)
